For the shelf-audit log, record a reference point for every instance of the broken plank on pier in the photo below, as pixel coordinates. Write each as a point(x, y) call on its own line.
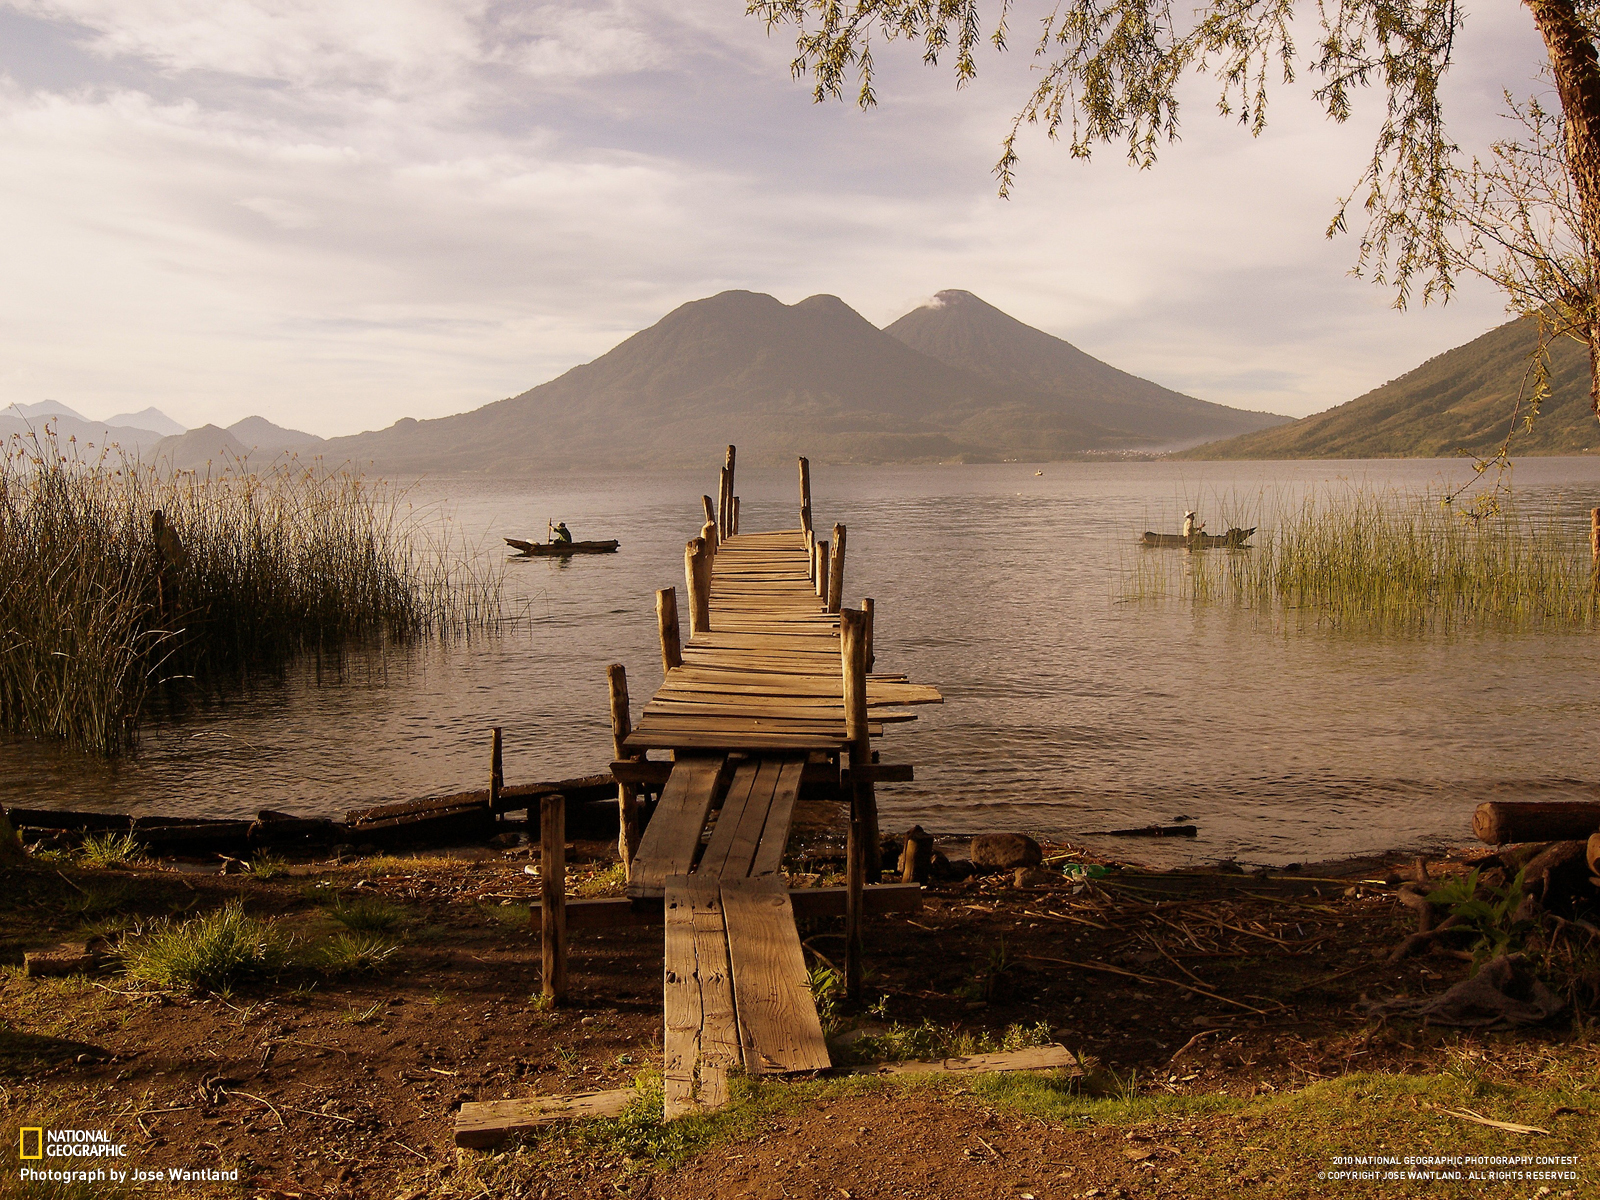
point(779, 1031)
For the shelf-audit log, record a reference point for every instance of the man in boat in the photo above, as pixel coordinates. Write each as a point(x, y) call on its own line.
point(1191, 526)
point(561, 534)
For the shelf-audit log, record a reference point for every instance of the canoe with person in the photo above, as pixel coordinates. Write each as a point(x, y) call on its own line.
point(560, 544)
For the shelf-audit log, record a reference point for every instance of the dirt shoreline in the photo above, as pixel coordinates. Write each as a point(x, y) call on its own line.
point(1213, 1009)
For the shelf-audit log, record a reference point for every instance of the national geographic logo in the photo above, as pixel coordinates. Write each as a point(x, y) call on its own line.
point(40, 1143)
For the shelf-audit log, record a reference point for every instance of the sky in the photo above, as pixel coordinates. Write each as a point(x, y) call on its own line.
point(338, 213)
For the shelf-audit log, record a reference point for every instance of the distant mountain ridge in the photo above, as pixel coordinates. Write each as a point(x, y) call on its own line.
point(1461, 400)
point(963, 331)
point(813, 377)
point(255, 440)
point(132, 432)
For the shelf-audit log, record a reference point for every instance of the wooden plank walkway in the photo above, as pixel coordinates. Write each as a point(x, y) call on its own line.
point(758, 696)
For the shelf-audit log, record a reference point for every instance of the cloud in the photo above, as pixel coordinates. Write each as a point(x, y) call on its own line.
point(339, 213)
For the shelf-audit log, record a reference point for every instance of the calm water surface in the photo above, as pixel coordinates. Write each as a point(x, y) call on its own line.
point(1067, 710)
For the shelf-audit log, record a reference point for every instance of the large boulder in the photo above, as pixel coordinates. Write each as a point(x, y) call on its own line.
point(1005, 851)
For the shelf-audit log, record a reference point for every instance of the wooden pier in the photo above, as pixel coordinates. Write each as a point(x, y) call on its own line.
point(769, 701)
point(755, 703)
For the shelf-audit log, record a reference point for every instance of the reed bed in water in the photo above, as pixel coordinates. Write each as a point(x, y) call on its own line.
point(98, 607)
point(1388, 561)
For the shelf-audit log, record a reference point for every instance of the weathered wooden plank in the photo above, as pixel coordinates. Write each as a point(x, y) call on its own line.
point(672, 837)
point(719, 1032)
point(668, 739)
point(735, 706)
point(654, 775)
point(683, 1009)
point(778, 720)
point(1040, 1058)
point(779, 1030)
point(780, 814)
point(746, 800)
point(619, 912)
point(481, 1125)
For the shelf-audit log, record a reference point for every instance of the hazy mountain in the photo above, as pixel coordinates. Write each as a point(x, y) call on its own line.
point(261, 435)
point(1460, 400)
point(89, 436)
point(814, 377)
point(198, 449)
point(44, 408)
point(960, 329)
point(152, 419)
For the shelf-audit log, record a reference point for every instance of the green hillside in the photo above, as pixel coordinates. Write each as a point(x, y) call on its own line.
point(1461, 400)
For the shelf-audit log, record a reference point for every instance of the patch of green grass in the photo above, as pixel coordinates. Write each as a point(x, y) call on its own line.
point(110, 849)
point(267, 866)
point(209, 953)
point(903, 1043)
point(517, 915)
point(609, 881)
point(353, 954)
point(368, 914)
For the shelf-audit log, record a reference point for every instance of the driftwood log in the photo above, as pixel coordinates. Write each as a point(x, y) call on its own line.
point(1501, 821)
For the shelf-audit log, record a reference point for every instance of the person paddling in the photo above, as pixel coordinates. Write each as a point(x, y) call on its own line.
point(1192, 526)
point(561, 533)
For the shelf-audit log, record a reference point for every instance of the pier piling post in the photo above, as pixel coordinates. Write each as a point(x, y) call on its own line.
point(710, 509)
point(553, 896)
point(735, 522)
point(867, 607)
point(627, 796)
point(722, 502)
point(822, 571)
point(805, 498)
point(709, 535)
point(697, 576)
point(862, 843)
point(497, 775)
point(917, 857)
point(835, 590)
point(667, 625)
point(726, 507)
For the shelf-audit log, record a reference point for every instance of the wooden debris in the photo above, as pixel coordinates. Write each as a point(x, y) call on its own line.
point(482, 1125)
point(67, 958)
point(1053, 1057)
point(1501, 821)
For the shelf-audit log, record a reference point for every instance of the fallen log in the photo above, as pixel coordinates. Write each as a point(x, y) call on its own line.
point(1149, 831)
point(1500, 821)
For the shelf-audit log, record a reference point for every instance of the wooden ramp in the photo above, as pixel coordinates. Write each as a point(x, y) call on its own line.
point(754, 698)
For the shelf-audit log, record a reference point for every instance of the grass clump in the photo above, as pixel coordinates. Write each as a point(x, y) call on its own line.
point(1393, 562)
point(368, 914)
point(210, 953)
point(353, 954)
point(110, 850)
point(119, 577)
point(267, 866)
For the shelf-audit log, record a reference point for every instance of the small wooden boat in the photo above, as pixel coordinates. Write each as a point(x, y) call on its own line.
point(561, 549)
point(1232, 540)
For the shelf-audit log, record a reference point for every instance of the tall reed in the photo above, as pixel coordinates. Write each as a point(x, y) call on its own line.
point(1392, 562)
point(97, 607)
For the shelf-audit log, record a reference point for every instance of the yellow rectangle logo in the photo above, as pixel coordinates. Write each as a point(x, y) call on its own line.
point(38, 1143)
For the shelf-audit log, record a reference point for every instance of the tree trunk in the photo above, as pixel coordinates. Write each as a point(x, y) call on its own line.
point(1576, 67)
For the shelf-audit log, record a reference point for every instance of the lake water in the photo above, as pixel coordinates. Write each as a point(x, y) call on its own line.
point(1067, 710)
